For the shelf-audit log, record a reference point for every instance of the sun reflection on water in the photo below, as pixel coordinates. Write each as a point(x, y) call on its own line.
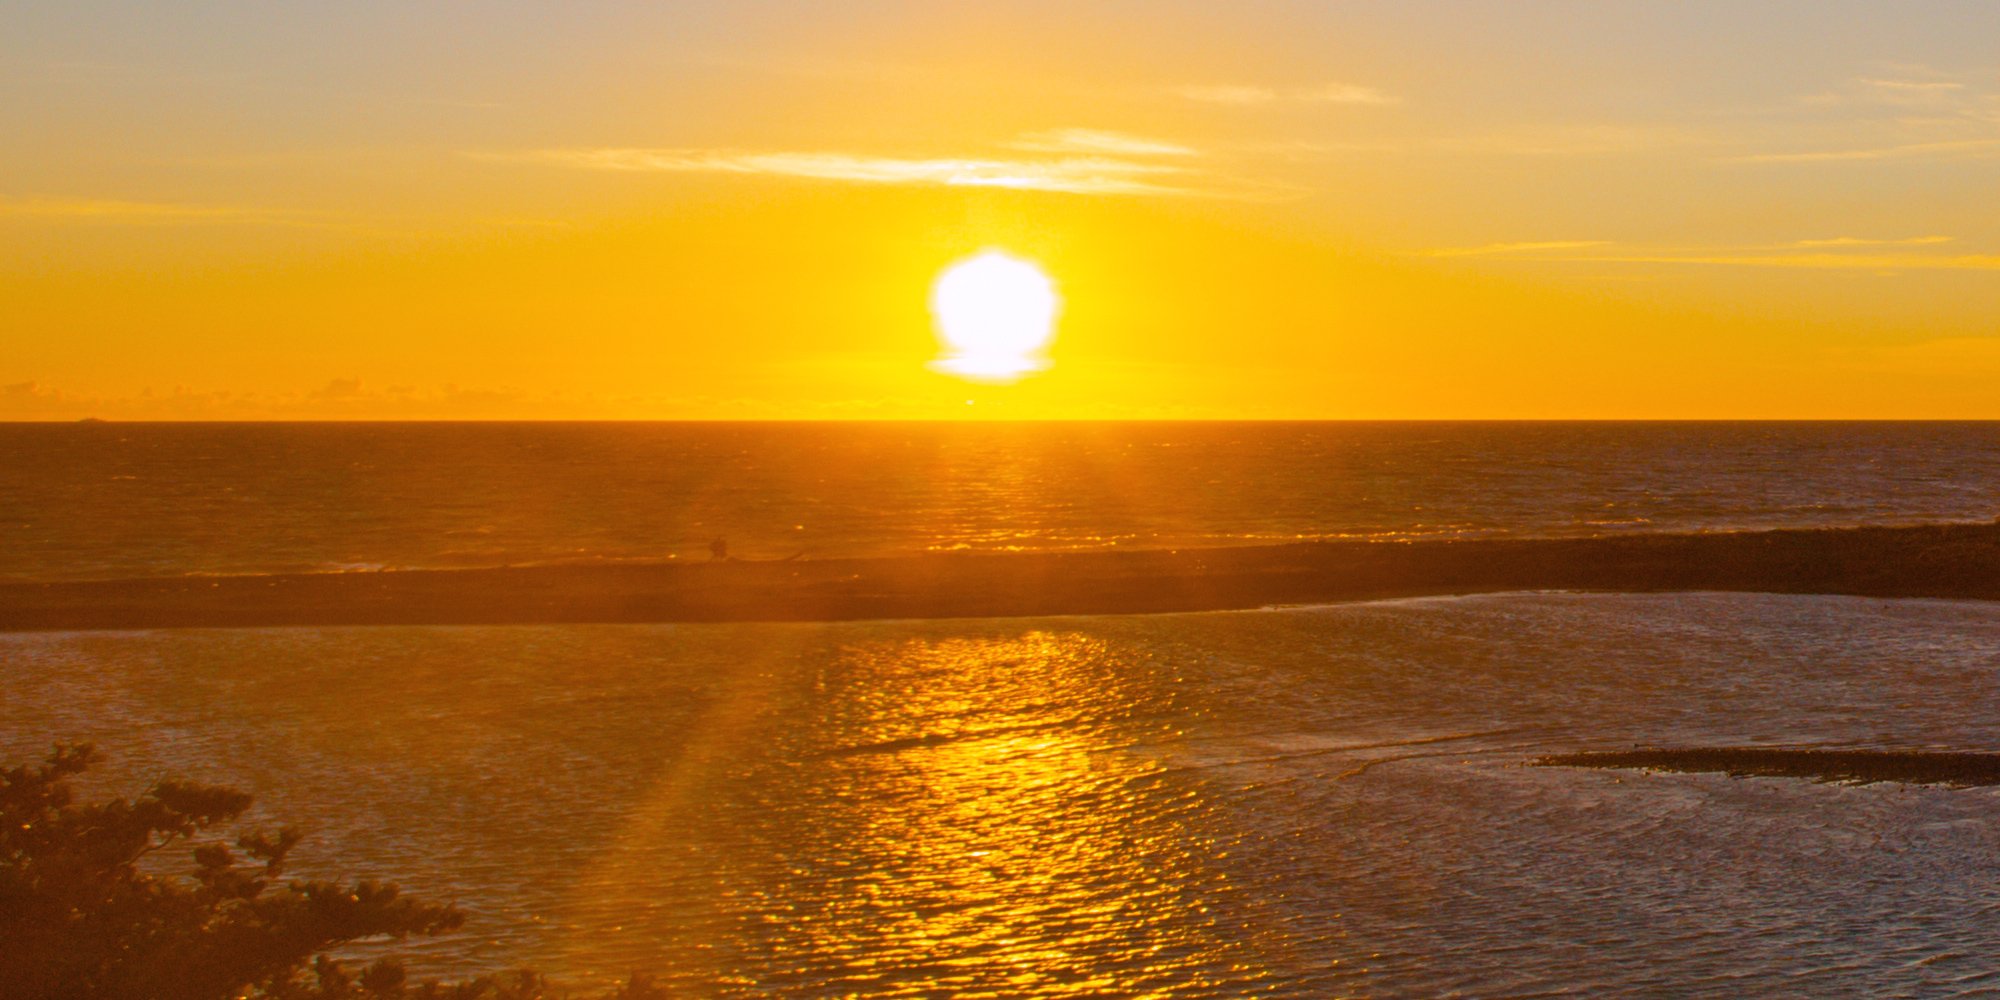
point(965, 816)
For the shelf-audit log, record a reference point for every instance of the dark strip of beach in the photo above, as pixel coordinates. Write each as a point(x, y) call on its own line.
point(1947, 560)
point(1916, 767)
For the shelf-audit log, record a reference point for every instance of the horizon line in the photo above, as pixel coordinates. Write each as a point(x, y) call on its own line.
point(96, 421)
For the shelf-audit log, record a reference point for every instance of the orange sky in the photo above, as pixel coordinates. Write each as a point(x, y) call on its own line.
point(1488, 210)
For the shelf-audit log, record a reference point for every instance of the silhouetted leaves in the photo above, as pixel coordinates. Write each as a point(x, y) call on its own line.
point(81, 920)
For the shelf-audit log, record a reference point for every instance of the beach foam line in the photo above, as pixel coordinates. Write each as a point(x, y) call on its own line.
point(1939, 561)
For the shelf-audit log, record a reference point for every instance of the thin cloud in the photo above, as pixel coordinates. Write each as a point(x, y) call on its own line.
point(1961, 148)
point(1910, 112)
point(1513, 248)
point(1096, 142)
point(1901, 86)
point(1856, 241)
point(1071, 175)
point(1820, 261)
point(1914, 86)
point(1826, 255)
point(117, 212)
point(1157, 175)
point(1249, 95)
point(114, 211)
point(341, 398)
point(1558, 140)
point(1910, 93)
point(1568, 140)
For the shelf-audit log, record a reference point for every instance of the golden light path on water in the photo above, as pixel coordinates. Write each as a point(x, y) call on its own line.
point(965, 816)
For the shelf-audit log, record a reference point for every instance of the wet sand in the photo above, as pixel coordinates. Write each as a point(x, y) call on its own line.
point(1916, 767)
point(1947, 561)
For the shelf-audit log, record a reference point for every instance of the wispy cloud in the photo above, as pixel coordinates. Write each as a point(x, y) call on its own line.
point(350, 398)
point(1857, 241)
point(341, 398)
point(1958, 148)
point(114, 211)
point(1897, 112)
point(1515, 248)
point(1069, 161)
point(1542, 140)
point(1893, 86)
point(1821, 261)
point(1094, 141)
point(1569, 139)
point(1073, 175)
point(1251, 94)
point(1842, 253)
point(1912, 86)
point(1907, 92)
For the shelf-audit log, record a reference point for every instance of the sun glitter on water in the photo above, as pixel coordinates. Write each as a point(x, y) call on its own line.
point(995, 315)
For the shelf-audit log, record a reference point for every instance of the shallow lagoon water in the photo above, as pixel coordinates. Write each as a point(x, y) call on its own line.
point(1301, 802)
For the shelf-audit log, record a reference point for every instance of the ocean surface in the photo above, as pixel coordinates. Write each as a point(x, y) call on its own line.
point(94, 501)
point(1309, 802)
point(1293, 802)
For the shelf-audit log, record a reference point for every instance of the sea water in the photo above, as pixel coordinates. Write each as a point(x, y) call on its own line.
point(95, 501)
point(1299, 802)
point(1302, 802)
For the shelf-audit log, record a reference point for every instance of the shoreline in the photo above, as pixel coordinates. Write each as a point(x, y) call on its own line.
point(1940, 561)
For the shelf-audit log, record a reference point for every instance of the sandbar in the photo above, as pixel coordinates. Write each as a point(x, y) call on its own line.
point(1916, 767)
point(1939, 560)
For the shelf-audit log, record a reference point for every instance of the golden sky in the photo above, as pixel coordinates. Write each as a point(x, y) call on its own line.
point(1250, 210)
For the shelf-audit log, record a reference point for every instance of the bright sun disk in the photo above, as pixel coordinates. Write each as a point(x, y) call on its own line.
point(995, 313)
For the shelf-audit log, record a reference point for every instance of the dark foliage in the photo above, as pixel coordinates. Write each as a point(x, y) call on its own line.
point(81, 919)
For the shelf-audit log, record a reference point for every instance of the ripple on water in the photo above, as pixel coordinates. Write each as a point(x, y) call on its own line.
point(1306, 802)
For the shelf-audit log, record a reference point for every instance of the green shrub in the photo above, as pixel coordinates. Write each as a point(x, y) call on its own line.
point(80, 919)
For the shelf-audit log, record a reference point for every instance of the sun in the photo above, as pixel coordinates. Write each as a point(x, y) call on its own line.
point(995, 313)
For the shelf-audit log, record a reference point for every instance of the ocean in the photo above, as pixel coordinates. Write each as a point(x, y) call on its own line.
point(1290, 802)
point(97, 501)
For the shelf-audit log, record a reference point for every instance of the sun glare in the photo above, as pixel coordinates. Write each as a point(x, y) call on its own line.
point(995, 313)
